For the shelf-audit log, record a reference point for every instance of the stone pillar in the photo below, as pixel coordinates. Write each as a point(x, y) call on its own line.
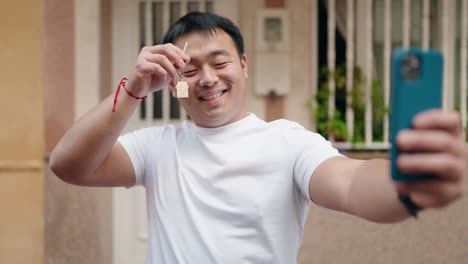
point(78, 220)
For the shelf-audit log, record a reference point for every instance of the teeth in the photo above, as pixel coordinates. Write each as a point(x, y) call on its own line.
point(212, 96)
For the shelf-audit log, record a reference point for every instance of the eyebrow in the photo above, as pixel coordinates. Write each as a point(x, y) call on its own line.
point(220, 52)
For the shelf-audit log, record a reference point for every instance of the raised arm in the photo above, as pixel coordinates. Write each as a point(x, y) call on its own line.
point(365, 188)
point(89, 154)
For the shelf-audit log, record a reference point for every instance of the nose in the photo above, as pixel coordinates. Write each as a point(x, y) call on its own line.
point(208, 77)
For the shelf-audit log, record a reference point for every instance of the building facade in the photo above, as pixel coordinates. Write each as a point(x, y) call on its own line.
point(66, 56)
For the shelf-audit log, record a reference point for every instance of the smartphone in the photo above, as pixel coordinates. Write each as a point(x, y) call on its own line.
point(416, 86)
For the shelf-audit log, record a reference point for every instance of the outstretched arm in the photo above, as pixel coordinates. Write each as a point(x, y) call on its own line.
point(89, 154)
point(365, 188)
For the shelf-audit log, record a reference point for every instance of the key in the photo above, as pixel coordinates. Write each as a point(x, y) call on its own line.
point(182, 86)
point(182, 89)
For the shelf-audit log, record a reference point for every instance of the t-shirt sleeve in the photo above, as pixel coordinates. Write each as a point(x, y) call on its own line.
point(134, 144)
point(312, 150)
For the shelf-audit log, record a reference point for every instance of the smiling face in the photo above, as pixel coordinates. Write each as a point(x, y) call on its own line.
point(216, 76)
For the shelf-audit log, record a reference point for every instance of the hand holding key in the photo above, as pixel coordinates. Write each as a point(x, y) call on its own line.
point(156, 67)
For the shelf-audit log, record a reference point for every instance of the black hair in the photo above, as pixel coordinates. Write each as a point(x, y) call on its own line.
point(208, 22)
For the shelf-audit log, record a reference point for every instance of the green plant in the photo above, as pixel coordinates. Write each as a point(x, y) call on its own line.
point(336, 125)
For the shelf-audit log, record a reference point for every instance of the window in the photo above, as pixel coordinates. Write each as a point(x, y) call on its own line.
point(151, 33)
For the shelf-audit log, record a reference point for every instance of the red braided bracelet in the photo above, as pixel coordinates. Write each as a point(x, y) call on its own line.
point(122, 84)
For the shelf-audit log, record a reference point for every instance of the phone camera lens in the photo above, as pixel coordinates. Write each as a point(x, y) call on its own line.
point(411, 69)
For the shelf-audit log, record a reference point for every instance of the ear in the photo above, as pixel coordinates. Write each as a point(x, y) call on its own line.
point(244, 65)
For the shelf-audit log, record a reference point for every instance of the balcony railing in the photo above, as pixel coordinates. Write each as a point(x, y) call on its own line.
point(371, 29)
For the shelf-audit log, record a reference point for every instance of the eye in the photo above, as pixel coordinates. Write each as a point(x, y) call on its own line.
point(189, 73)
point(221, 65)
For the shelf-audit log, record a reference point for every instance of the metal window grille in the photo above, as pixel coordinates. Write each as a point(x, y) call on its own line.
point(371, 29)
point(155, 16)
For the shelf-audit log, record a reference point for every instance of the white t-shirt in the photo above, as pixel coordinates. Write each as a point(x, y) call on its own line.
point(233, 194)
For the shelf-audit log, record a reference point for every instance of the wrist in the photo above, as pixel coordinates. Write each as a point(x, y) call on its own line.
point(123, 83)
point(133, 88)
point(409, 205)
point(130, 93)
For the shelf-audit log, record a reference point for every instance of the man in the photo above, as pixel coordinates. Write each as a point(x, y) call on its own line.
point(229, 187)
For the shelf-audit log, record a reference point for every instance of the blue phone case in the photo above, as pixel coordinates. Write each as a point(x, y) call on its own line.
point(411, 96)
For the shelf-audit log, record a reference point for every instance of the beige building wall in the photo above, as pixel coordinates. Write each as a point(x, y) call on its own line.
point(21, 135)
point(247, 25)
point(300, 62)
point(300, 87)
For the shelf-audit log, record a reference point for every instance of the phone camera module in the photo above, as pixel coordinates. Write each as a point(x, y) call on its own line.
point(411, 67)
